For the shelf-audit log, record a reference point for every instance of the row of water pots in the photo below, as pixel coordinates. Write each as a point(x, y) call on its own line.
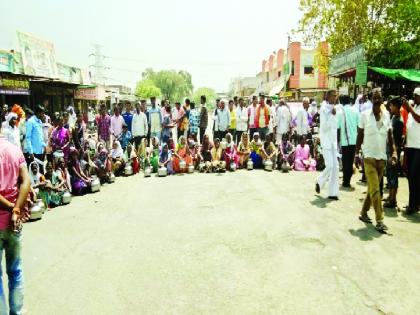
point(39, 208)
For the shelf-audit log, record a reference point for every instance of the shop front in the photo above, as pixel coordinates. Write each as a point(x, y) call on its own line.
point(14, 89)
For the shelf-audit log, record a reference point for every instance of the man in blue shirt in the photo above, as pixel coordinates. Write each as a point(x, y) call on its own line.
point(128, 116)
point(35, 143)
point(348, 120)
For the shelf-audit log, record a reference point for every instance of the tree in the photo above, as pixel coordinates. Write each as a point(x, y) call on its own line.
point(208, 92)
point(174, 85)
point(389, 29)
point(146, 89)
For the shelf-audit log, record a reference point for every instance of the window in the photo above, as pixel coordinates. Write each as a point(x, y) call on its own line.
point(308, 70)
point(292, 72)
point(279, 74)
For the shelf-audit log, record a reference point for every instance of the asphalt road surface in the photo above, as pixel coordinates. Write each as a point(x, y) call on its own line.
point(239, 243)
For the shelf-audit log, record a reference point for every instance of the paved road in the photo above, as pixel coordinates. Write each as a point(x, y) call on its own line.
point(241, 243)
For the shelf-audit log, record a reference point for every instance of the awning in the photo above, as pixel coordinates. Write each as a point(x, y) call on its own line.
point(277, 88)
point(398, 74)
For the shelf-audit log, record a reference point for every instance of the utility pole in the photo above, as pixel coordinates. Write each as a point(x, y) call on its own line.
point(99, 65)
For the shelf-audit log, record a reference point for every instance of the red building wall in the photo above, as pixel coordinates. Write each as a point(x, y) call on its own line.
point(294, 55)
point(323, 77)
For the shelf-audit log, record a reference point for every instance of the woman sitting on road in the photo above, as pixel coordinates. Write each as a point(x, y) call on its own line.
point(303, 160)
point(256, 151)
point(165, 159)
point(194, 152)
point(182, 154)
point(130, 157)
point(244, 150)
point(103, 164)
point(38, 184)
point(205, 153)
point(230, 154)
point(216, 157)
point(286, 154)
point(79, 181)
point(54, 186)
point(117, 158)
point(144, 153)
point(62, 175)
point(155, 154)
point(269, 152)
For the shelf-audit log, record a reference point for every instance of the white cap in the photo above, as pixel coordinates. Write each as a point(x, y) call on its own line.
point(417, 91)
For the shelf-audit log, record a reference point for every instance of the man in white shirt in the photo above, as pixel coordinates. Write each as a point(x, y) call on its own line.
point(375, 133)
point(223, 119)
point(11, 131)
point(241, 120)
point(139, 124)
point(302, 119)
point(328, 137)
point(117, 122)
point(413, 152)
point(283, 120)
point(252, 114)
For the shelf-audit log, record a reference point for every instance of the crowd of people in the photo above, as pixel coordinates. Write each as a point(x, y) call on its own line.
point(67, 151)
point(71, 152)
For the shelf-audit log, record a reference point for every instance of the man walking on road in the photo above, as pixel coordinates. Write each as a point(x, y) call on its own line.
point(14, 188)
point(328, 136)
point(374, 132)
point(413, 152)
point(348, 122)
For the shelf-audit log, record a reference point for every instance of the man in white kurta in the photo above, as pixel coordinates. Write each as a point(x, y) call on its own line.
point(328, 137)
point(283, 119)
point(302, 119)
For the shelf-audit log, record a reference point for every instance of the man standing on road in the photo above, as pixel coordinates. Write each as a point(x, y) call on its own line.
point(302, 119)
point(262, 117)
point(194, 121)
point(242, 120)
point(413, 152)
point(328, 136)
point(14, 188)
point(223, 119)
point(204, 118)
point(252, 112)
point(139, 125)
point(374, 132)
point(348, 122)
point(155, 120)
point(35, 143)
point(128, 116)
point(104, 126)
point(117, 122)
point(232, 112)
point(215, 125)
point(284, 118)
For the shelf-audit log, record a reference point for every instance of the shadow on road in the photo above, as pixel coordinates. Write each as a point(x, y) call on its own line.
point(415, 218)
point(320, 202)
point(367, 233)
point(391, 212)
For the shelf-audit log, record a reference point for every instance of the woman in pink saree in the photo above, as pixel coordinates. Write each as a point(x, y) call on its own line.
point(60, 138)
point(303, 160)
point(230, 154)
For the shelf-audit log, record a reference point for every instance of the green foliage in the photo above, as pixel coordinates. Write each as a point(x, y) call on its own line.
point(174, 85)
point(389, 29)
point(147, 89)
point(208, 92)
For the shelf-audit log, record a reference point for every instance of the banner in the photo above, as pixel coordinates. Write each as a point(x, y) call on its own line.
point(38, 56)
point(69, 74)
point(14, 85)
point(5, 61)
point(361, 73)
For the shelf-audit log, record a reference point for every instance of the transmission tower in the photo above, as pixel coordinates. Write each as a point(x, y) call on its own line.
point(99, 66)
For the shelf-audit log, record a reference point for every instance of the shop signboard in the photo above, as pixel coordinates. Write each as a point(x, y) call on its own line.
point(69, 74)
point(90, 94)
point(13, 85)
point(38, 56)
point(361, 73)
point(347, 60)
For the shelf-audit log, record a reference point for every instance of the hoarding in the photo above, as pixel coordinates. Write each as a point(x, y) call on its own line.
point(347, 60)
point(38, 56)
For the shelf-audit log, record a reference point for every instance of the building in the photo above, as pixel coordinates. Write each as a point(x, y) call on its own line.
point(244, 87)
point(295, 73)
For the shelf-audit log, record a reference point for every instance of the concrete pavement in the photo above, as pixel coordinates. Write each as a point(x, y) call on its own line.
point(239, 243)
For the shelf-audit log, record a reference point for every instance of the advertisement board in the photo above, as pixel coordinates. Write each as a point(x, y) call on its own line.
point(69, 74)
point(38, 56)
point(347, 60)
point(5, 61)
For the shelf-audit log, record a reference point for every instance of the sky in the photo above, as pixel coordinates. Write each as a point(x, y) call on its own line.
point(214, 40)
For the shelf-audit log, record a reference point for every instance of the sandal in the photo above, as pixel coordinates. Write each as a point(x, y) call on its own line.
point(365, 219)
point(380, 227)
point(389, 204)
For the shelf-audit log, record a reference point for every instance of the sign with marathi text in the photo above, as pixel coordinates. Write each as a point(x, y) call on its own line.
point(361, 73)
point(347, 60)
point(38, 56)
point(14, 85)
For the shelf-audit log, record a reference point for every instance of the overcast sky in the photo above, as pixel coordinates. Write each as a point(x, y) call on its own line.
point(215, 40)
